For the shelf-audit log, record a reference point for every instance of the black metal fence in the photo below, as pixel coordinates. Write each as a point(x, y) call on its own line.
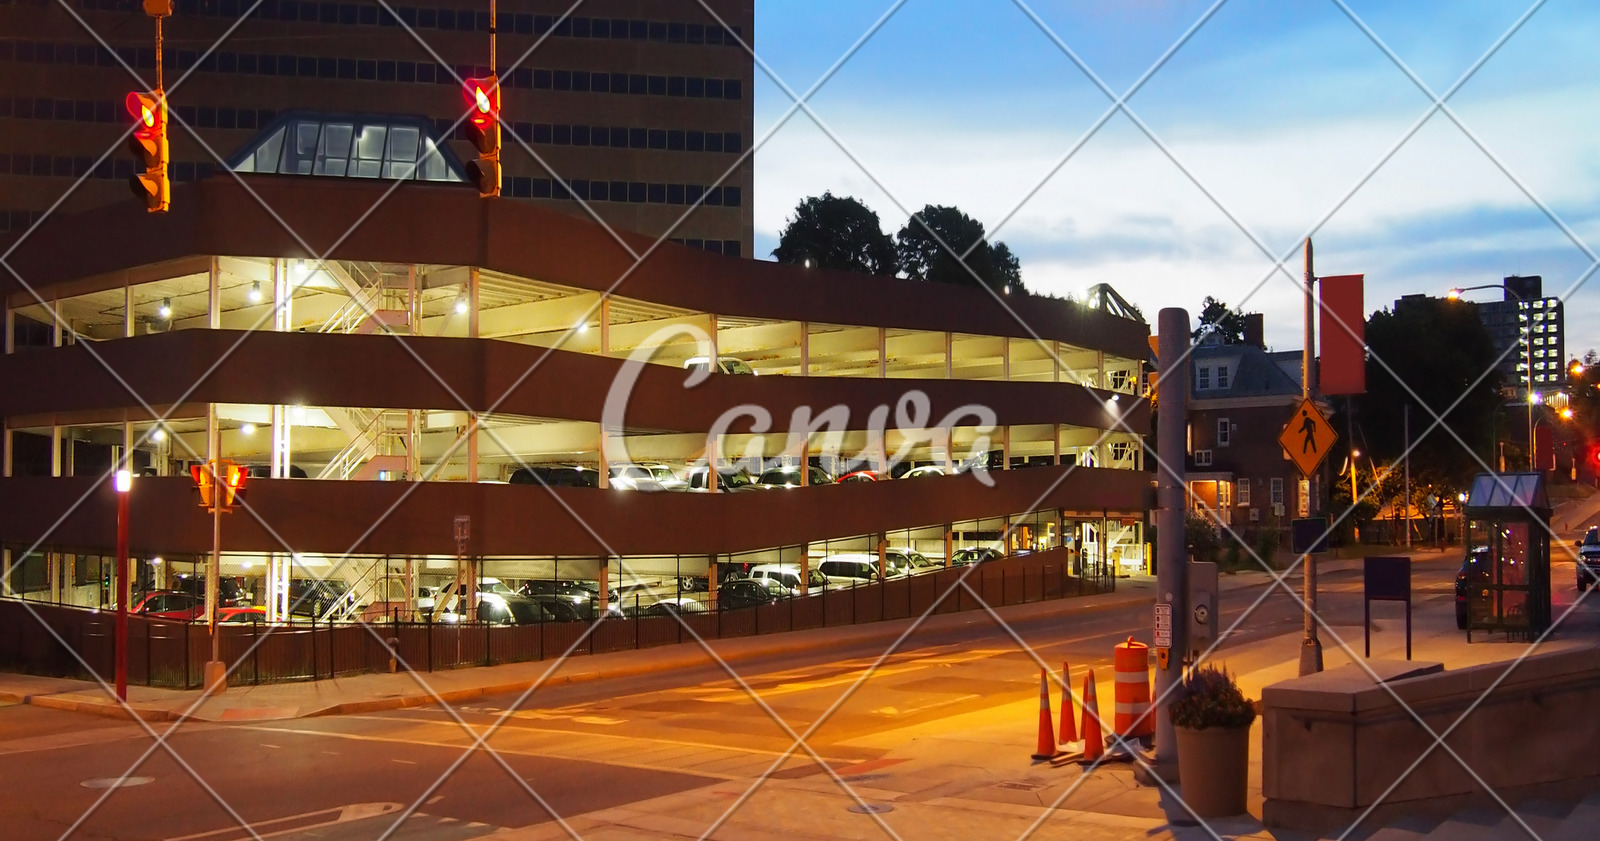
point(42, 638)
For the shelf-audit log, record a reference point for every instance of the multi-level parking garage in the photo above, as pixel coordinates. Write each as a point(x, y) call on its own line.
point(446, 345)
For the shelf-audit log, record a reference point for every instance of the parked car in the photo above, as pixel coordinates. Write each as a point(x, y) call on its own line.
point(670, 607)
point(725, 365)
point(497, 603)
point(975, 555)
point(925, 470)
point(856, 567)
point(862, 476)
point(728, 480)
point(1589, 559)
point(750, 592)
point(313, 596)
point(1471, 580)
point(632, 477)
point(564, 610)
point(557, 476)
point(788, 575)
point(241, 615)
point(789, 476)
point(426, 597)
point(912, 561)
point(169, 604)
point(229, 593)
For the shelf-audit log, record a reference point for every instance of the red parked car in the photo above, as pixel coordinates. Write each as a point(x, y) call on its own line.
point(170, 604)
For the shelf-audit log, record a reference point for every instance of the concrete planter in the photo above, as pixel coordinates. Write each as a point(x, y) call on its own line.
point(1214, 769)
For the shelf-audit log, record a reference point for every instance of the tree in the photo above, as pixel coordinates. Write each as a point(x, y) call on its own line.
point(836, 233)
point(1438, 352)
point(926, 243)
point(1215, 317)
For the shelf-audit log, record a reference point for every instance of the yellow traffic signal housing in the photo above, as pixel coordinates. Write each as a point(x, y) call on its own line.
point(149, 146)
point(483, 127)
point(233, 476)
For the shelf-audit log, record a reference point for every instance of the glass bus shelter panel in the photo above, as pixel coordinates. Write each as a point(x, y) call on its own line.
point(974, 357)
point(915, 354)
point(838, 350)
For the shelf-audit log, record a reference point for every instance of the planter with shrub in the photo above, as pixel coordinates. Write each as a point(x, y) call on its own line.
point(1212, 719)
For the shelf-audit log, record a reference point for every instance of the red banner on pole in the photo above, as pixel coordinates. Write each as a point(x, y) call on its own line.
point(1344, 335)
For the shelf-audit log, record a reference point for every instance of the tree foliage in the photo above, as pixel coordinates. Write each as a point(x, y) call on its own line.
point(1215, 317)
point(835, 232)
point(923, 255)
point(1442, 362)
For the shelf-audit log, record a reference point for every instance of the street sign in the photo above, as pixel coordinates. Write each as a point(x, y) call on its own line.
point(1163, 625)
point(1307, 437)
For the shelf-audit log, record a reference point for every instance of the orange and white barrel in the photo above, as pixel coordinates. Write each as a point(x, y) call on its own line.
point(1132, 718)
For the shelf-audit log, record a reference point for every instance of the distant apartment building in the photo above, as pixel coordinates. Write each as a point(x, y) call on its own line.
point(1525, 310)
point(640, 108)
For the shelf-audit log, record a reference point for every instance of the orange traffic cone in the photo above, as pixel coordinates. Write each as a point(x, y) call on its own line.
point(1094, 742)
point(1069, 728)
point(1046, 748)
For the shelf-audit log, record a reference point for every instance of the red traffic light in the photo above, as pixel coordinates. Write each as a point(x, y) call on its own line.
point(483, 97)
point(145, 108)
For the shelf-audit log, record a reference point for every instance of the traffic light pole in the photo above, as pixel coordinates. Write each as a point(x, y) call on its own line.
point(216, 671)
point(1311, 648)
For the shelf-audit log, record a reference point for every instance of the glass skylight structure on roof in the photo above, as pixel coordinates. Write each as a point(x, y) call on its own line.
point(388, 146)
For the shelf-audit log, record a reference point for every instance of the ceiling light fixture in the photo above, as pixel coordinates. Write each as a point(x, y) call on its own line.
point(247, 429)
point(255, 292)
point(461, 306)
point(166, 308)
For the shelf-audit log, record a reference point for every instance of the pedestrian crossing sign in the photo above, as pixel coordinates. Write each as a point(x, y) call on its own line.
point(1307, 437)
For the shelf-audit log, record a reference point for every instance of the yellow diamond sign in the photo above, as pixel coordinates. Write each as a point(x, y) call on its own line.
point(1307, 437)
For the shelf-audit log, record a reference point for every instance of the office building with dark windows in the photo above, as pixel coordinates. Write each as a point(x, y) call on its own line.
point(455, 357)
point(640, 108)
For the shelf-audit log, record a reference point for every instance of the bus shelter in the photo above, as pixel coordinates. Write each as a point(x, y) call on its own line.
point(1507, 566)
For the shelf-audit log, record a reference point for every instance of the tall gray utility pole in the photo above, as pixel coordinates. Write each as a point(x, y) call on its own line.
point(1172, 398)
point(1311, 648)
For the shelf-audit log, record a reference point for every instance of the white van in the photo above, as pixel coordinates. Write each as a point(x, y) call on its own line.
point(857, 567)
point(725, 365)
point(789, 576)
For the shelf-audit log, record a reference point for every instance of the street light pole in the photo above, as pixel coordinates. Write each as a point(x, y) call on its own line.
point(123, 483)
point(1311, 648)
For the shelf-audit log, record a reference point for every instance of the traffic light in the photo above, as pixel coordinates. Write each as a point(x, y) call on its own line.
point(233, 477)
point(149, 145)
point(483, 127)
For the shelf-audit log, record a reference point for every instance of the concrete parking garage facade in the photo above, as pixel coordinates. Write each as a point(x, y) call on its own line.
point(446, 342)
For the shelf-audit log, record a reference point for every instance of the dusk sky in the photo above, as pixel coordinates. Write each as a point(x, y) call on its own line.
point(1277, 110)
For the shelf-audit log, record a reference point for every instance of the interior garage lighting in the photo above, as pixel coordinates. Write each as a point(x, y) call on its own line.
point(255, 292)
point(158, 434)
point(583, 327)
point(247, 429)
point(461, 306)
point(166, 308)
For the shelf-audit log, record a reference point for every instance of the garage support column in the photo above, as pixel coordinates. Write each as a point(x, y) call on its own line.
point(473, 288)
point(68, 462)
point(1055, 362)
point(949, 355)
point(605, 325)
point(883, 352)
point(5, 574)
point(55, 451)
point(57, 334)
point(711, 580)
point(1055, 445)
point(472, 448)
point(282, 295)
point(130, 326)
point(949, 544)
point(603, 451)
point(949, 436)
point(5, 457)
point(805, 573)
point(1005, 447)
point(883, 559)
point(712, 447)
point(1005, 360)
point(11, 329)
point(214, 296)
point(805, 348)
point(713, 353)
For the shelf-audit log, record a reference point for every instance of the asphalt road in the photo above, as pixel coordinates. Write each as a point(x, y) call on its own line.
point(566, 750)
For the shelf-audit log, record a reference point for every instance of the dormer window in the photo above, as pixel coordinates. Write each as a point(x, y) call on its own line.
point(1202, 380)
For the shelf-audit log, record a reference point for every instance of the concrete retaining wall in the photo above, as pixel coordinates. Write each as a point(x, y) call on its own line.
point(1336, 745)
